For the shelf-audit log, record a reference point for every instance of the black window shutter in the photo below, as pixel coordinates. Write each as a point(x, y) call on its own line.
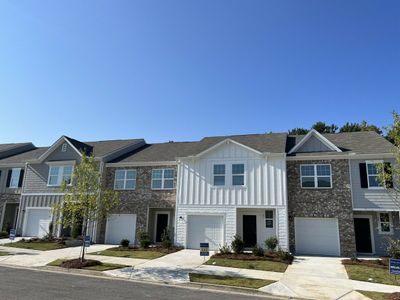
point(8, 178)
point(21, 178)
point(363, 175)
point(388, 170)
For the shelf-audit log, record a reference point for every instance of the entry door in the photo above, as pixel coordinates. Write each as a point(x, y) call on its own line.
point(363, 235)
point(249, 231)
point(162, 223)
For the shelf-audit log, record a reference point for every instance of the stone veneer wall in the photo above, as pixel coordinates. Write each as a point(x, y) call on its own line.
point(323, 203)
point(139, 201)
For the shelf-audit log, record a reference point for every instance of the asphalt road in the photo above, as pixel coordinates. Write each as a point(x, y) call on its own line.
point(30, 284)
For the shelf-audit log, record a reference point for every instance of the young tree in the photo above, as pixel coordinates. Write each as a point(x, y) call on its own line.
point(322, 127)
point(86, 198)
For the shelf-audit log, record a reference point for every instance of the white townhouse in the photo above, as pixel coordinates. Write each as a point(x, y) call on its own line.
point(233, 185)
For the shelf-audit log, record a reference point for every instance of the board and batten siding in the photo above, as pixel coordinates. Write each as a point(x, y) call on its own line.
point(365, 198)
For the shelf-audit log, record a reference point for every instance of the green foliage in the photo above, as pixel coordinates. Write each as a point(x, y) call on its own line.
point(144, 239)
point(298, 131)
point(322, 127)
point(166, 238)
point(393, 248)
point(124, 243)
point(86, 197)
point(3, 234)
point(363, 126)
point(393, 131)
point(271, 243)
point(258, 250)
point(225, 249)
point(237, 244)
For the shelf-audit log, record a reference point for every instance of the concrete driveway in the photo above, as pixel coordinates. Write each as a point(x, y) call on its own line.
point(172, 268)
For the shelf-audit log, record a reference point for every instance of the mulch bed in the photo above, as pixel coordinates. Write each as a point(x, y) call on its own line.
point(393, 296)
point(382, 263)
point(154, 249)
point(78, 264)
point(270, 256)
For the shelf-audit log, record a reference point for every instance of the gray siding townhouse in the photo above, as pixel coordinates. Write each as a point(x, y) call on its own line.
point(12, 167)
point(45, 173)
point(336, 205)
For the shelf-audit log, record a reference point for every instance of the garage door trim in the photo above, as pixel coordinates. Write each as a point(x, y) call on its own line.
point(315, 218)
point(26, 215)
point(205, 215)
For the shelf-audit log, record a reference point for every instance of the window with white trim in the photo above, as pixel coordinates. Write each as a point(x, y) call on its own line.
point(125, 180)
point(162, 179)
point(372, 175)
point(316, 176)
point(269, 219)
point(237, 174)
point(60, 174)
point(385, 223)
point(14, 180)
point(219, 174)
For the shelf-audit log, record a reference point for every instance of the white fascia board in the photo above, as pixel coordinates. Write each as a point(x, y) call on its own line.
point(375, 209)
point(319, 136)
point(14, 165)
point(350, 155)
point(54, 146)
point(142, 164)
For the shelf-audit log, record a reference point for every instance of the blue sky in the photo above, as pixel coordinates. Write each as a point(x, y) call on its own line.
point(181, 70)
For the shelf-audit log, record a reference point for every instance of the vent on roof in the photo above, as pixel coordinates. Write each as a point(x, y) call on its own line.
point(64, 147)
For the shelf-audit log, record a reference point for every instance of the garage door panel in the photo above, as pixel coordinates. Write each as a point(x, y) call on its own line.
point(317, 236)
point(208, 229)
point(37, 222)
point(119, 227)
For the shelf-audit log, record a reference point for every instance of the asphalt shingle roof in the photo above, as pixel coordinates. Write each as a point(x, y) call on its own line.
point(24, 157)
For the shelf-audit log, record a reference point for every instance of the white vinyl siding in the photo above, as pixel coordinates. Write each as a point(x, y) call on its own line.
point(60, 174)
point(14, 180)
point(125, 180)
point(162, 179)
point(316, 176)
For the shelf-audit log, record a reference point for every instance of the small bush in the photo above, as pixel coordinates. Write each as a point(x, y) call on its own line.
point(3, 234)
point(393, 248)
point(225, 249)
point(285, 256)
point(144, 239)
point(258, 250)
point(237, 244)
point(271, 243)
point(166, 238)
point(124, 243)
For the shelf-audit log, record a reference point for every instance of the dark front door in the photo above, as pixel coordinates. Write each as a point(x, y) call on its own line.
point(162, 223)
point(363, 235)
point(249, 231)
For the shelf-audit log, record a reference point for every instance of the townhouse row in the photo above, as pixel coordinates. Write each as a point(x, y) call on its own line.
point(317, 193)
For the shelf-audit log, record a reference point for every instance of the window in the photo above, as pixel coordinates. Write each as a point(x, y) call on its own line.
point(125, 180)
point(60, 174)
point(269, 219)
point(385, 223)
point(162, 179)
point(238, 174)
point(372, 175)
point(219, 175)
point(14, 180)
point(316, 176)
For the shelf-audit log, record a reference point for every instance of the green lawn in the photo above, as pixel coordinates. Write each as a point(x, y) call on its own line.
point(144, 254)
point(4, 253)
point(231, 281)
point(378, 275)
point(102, 267)
point(374, 295)
point(264, 265)
point(43, 246)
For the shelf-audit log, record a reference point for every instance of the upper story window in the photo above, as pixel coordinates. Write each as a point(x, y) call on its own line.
point(316, 176)
point(385, 223)
point(238, 174)
point(60, 174)
point(162, 179)
point(269, 219)
point(125, 180)
point(219, 174)
point(372, 175)
point(14, 178)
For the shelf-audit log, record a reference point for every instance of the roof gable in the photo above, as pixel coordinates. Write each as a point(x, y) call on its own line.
point(225, 142)
point(57, 144)
point(313, 141)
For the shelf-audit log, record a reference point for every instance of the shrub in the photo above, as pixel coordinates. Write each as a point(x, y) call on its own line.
point(225, 249)
point(144, 239)
point(258, 250)
point(237, 244)
point(285, 256)
point(124, 243)
point(76, 231)
point(271, 243)
point(393, 248)
point(3, 234)
point(166, 238)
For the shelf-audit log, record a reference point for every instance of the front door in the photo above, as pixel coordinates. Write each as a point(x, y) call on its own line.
point(363, 235)
point(249, 230)
point(161, 224)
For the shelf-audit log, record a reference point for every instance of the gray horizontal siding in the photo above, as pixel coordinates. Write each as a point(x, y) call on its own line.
point(313, 145)
point(36, 180)
point(364, 198)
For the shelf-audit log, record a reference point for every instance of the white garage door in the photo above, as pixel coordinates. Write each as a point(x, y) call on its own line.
point(119, 227)
point(317, 236)
point(205, 229)
point(37, 222)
